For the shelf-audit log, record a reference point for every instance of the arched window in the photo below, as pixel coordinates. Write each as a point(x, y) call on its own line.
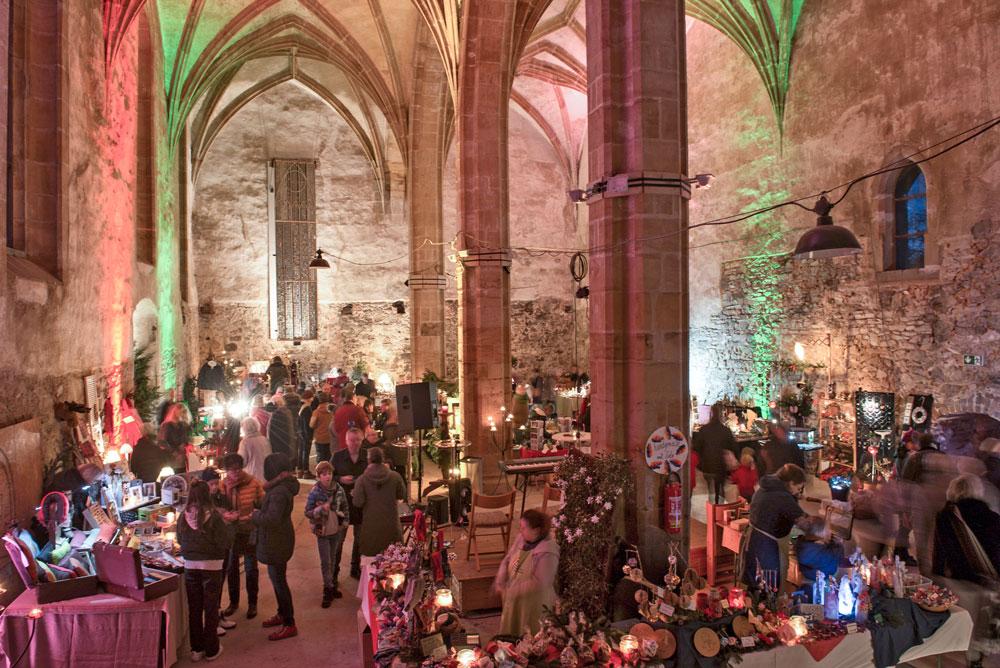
point(910, 223)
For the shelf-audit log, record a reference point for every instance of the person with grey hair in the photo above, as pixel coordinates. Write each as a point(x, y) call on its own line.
point(966, 540)
point(254, 448)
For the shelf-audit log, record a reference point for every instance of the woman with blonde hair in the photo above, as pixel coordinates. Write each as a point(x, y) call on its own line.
point(254, 448)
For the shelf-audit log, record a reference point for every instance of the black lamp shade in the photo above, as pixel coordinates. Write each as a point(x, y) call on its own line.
point(319, 262)
point(826, 240)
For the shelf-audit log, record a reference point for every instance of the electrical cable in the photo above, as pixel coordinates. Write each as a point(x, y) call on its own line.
point(31, 636)
point(976, 130)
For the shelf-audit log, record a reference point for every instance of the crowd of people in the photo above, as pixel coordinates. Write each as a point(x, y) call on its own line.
point(937, 510)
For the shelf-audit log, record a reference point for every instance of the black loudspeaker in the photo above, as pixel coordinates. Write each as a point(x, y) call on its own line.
point(416, 404)
point(437, 508)
point(460, 500)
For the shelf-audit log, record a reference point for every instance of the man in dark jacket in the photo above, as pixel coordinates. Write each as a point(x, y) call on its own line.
point(348, 465)
point(305, 432)
point(276, 538)
point(365, 387)
point(712, 442)
point(277, 372)
point(282, 430)
point(779, 451)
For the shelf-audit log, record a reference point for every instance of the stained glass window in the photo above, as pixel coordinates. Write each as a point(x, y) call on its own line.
point(910, 231)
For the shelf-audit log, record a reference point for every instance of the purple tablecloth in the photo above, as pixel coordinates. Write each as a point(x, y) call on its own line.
point(94, 631)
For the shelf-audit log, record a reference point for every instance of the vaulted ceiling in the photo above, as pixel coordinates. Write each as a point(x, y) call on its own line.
point(360, 56)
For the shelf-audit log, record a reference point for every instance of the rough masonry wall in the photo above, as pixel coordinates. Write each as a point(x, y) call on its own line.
point(542, 290)
point(230, 239)
point(54, 330)
point(870, 82)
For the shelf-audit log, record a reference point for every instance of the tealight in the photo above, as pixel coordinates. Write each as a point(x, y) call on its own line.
point(466, 657)
point(628, 644)
point(443, 598)
point(35, 613)
point(798, 623)
point(397, 580)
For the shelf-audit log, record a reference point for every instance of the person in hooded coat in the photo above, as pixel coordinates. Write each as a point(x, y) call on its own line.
point(377, 494)
point(276, 538)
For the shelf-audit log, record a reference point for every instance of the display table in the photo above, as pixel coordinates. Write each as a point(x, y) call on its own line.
point(855, 650)
point(568, 438)
point(99, 631)
point(851, 651)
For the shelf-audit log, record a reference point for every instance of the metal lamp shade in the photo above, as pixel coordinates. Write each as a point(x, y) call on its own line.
point(826, 240)
point(319, 262)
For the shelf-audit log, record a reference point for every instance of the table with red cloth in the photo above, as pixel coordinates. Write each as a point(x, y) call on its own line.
point(94, 631)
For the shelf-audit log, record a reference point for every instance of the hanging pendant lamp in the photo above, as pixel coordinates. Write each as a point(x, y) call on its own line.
point(319, 262)
point(826, 239)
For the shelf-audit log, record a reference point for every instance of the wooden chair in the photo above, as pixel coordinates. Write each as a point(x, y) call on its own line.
point(550, 493)
point(490, 511)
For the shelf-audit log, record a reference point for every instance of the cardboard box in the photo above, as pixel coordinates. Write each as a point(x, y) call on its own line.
point(121, 572)
point(51, 592)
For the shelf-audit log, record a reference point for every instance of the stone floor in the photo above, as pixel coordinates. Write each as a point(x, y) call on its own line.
point(326, 637)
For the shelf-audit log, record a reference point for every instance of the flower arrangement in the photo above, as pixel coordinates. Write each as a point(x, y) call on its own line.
point(592, 488)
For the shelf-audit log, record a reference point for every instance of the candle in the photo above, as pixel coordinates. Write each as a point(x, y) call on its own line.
point(628, 644)
point(466, 657)
point(443, 598)
point(35, 613)
point(798, 623)
point(171, 517)
point(736, 598)
point(397, 580)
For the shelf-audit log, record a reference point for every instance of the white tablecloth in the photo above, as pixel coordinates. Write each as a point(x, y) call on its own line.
point(855, 651)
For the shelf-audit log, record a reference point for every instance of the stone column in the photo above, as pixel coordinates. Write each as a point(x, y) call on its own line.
point(431, 115)
point(638, 234)
point(494, 33)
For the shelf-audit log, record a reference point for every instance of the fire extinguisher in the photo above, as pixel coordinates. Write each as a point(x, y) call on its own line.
point(673, 508)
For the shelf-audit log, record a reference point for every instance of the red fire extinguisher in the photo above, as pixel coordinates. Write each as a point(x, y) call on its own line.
point(673, 508)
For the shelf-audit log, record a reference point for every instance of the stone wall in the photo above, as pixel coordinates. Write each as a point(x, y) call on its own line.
point(57, 328)
point(870, 83)
point(541, 335)
point(374, 333)
point(230, 239)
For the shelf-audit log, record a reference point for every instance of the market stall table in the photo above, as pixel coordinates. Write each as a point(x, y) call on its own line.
point(855, 650)
point(568, 438)
point(100, 631)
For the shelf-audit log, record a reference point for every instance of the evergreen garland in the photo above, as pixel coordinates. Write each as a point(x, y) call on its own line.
point(145, 393)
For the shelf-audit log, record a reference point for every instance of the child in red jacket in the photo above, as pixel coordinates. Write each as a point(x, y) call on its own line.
point(745, 476)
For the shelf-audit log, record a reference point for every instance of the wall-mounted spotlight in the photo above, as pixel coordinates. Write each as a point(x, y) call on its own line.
point(701, 181)
point(319, 262)
point(578, 196)
point(399, 306)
